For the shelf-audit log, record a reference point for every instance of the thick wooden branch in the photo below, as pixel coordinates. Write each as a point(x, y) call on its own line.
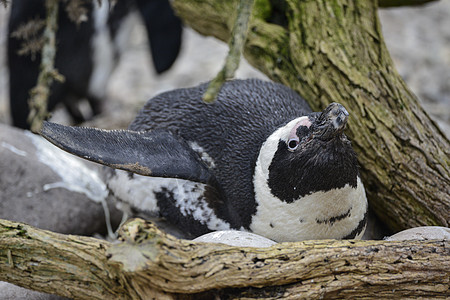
point(151, 263)
point(334, 51)
point(70, 266)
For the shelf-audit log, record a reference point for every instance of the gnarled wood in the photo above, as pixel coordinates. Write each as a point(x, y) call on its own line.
point(150, 262)
point(334, 51)
point(70, 266)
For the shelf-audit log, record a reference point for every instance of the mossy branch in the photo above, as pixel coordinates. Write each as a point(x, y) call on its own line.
point(236, 46)
point(149, 263)
point(40, 93)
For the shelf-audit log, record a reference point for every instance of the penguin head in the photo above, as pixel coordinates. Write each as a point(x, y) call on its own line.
point(330, 123)
point(307, 172)
point(312, 154)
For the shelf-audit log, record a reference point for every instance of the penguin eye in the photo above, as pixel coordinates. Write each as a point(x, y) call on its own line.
point(293, 144)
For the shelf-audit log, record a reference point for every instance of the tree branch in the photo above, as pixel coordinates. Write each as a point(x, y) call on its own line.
point(150, 262)
point(236, 47)
point(70, 266)
point(40, 93)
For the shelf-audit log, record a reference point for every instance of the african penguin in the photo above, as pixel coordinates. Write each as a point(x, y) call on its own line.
point(87, 53)
point(257, 159)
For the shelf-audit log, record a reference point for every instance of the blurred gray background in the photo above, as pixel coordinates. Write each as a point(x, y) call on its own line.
point(417, 37)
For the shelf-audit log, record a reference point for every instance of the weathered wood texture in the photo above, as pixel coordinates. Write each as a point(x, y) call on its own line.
point(70, 266)
point(151, 263)
point(334, 51)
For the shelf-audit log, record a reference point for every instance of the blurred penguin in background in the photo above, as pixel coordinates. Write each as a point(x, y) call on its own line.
point(88, 49)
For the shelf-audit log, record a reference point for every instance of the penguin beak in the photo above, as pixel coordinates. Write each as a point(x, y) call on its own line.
point(331, 122)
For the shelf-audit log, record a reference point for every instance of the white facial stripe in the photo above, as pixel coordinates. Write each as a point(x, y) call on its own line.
point(270, 146)
point(285, 132)
point(304, 121)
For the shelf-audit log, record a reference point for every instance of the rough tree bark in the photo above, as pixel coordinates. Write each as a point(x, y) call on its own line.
point(149, 263)
point(333, 50)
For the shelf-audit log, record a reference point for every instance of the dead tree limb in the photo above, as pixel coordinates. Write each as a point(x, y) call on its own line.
point(70, 266)
point(334, 51)
point(151, 263)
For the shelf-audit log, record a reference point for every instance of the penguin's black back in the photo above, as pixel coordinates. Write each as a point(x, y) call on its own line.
point(231, 130)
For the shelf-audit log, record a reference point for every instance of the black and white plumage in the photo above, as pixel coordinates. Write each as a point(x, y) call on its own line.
point(87, 53)
point(257, 159)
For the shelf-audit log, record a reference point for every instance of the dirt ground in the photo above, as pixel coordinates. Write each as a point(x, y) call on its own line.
point(418, 39)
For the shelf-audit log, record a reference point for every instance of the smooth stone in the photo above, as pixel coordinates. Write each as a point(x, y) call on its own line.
point(10, 291)
point(45, 187)
point(422, 233)
point(235, 238)
point(27, 194)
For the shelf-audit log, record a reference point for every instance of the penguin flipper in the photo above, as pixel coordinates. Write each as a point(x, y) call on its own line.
point(156, 153)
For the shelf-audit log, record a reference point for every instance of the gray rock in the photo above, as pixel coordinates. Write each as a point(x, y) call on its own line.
point(422, 233)
point(45, 187)
point(13, 292)
point(235, 238)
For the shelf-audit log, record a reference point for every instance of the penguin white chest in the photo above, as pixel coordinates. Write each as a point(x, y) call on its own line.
point(334, 214)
